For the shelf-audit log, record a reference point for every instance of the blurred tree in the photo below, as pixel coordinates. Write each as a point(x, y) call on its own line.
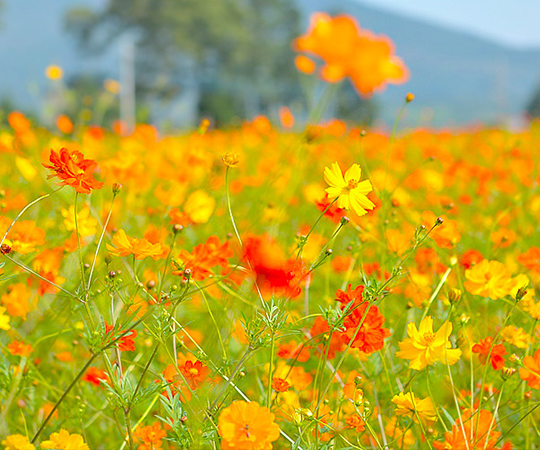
point(533, 107)
point(182, 42)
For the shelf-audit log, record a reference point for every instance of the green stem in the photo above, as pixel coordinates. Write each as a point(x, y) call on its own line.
point(64, 395)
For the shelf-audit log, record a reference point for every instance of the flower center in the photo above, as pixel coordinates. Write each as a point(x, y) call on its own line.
point(352, 184)
point(429, 337)
point(194, 372)
point(246, 430)
point(488, 276)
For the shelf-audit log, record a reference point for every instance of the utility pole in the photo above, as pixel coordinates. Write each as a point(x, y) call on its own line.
point(127, 84)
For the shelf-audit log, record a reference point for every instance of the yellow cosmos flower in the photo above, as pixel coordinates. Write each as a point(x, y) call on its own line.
point(425, 347)
point(349, 190)
point(87, 224)
point(516, 336)
point(489, 279)
point(4, 319)
point(411, 406)
point(247, 426)
point(65, 441)
point(17, 442)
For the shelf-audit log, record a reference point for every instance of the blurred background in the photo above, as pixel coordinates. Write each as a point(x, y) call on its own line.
point(173, 62)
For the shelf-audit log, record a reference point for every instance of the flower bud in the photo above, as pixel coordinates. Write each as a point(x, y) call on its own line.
point(116, 187)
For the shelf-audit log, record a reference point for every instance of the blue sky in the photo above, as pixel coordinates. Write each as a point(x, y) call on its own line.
point(512, 22)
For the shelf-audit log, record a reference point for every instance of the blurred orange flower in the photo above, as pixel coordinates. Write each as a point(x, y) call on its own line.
point(73, 170)
point(349, 51)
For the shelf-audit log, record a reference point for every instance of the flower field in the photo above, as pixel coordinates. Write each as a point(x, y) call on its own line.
point(266, 286)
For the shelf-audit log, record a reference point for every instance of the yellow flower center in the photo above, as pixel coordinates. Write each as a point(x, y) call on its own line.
point(194, 372)
point(352, 184)
point(429, 337)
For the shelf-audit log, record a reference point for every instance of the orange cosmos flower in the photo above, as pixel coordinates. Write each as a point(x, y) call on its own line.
point(124, 245)
point(497, 352)
point(286, 117)
point(489, 279)
point(356, 422)
point(293, 350)
point(374, 64)
point(19, 348)
point(280, 385)
point(321, 330)
point(203, 258)
point(17, 301)
point(531, 259)
point(531, 370)
point(470, 258)
point(351, 52)
point(247, 426)
point(73, 170)
point(363, 323)
point(24, 237)
point(194, 373)
point(151, 435)
point(64, 124)
point(445, 235)
point(473, 431)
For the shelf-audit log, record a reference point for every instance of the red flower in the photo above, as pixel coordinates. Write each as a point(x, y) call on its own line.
point(273, 272)
point(470, 258)
point(280, 385)
point(93, 376)
point(364, 322)
point(126, 343)
point(73, 170)
point(333, 212)
point(497, 352)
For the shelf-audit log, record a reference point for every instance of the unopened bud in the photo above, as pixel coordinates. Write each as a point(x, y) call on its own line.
point(454, 295)
point(507, 372)
point(116, 187)
point(409, 97)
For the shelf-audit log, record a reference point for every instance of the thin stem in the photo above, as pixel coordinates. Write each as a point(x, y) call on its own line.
point(79, 242)
point(22, 266)
point(99, 246)
point(24, 210)
point(64, 395)
point(270, 369)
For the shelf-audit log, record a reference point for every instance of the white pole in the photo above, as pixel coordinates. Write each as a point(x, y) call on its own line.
point(127, 83)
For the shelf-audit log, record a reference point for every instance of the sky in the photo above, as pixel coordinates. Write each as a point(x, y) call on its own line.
point(511, 22)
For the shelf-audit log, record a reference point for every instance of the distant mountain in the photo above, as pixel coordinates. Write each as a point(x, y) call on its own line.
point(456, 77)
